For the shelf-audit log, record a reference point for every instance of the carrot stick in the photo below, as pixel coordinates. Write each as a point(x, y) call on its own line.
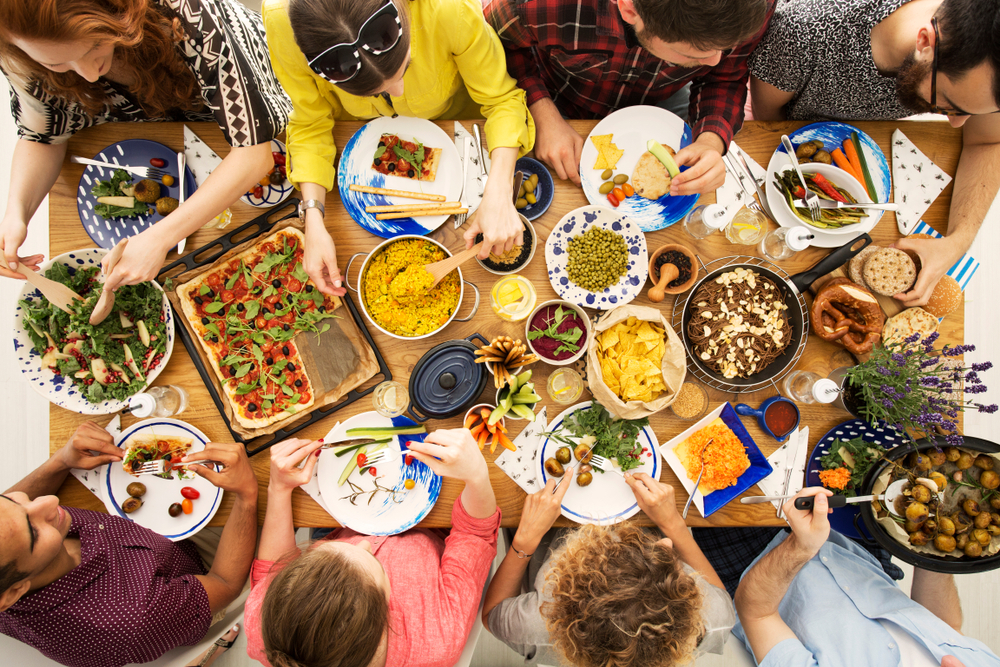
point(505, 441)
point(478, 430)
point(841, 160)
point(471, 420)
point(852, 157)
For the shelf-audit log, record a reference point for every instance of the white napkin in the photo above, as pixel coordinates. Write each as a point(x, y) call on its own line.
point(92, 479)
point(916, 182)
point(312, 486)
point(520, 465)
point(731, 196)
point(201, 159)
point(472, 197)
point(794, 452)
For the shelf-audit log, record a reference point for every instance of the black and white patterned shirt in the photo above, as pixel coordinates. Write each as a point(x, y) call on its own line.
point(821, 50)
point(227, 53)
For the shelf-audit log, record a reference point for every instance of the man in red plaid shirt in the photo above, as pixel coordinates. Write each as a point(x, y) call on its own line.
point(588, 58)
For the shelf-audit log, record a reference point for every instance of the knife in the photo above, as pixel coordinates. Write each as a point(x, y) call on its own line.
point(789, 464)
point(582, 458)
point(807, 502)
point(460, 219)
point(826, 203)
point(181, 173)
point(483, 173)
point(746, 165)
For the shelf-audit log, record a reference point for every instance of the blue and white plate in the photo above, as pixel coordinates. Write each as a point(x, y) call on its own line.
point(832, 135)
point(557, 257)
point(381, 516)
point(608, 499)
point(632, 127)
point(162, 493)
point(544, 190)
point(356, 169)
point(134, 153)
point(842, 519)
point(56, 388)
point(272, 194)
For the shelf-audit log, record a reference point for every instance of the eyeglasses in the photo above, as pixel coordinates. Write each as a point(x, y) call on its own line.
point(380, 33)
point(934, 66)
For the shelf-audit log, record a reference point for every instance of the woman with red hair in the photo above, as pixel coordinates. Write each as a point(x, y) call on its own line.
point(72, 64)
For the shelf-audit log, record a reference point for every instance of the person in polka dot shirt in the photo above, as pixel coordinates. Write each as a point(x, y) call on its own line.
point(92, 590)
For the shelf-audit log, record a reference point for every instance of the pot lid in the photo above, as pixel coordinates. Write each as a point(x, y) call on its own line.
point(446, 379)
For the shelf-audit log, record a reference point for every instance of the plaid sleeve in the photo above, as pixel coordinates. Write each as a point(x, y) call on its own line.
point(718, 98)
point(519, 38)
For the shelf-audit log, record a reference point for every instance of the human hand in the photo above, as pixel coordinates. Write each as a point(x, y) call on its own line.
point(541, 509)
point(320, 260)
point(936, 257)
point(89, 446)
point(12, 235)
point(141, 260)
point(706, 171)
point(810, 528)
point(451, 453)
point(497, 220)
point(656, 500)
point(556, 143)
point(286, 459)
point(236, 474)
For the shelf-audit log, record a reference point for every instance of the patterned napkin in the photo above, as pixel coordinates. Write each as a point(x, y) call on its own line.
point(794, 452)
point(731, 196)
point(312, 486)
point(472, 170)
point(520, 465)
point(916, 182)
point(92, 479)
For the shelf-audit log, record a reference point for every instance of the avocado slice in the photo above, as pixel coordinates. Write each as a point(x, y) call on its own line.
point(661, 154)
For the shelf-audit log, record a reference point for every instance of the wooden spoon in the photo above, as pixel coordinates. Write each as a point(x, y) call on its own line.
point(440, 269)
point(107, 300)
point(58, 294)
point(668, 273)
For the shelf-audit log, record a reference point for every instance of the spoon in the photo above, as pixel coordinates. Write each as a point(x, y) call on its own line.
point(58, 294)
point(107, 300)
point(895, 490)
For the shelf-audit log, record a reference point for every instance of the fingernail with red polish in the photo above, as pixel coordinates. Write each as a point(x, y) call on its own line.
point(318, 452)
point(320, 440)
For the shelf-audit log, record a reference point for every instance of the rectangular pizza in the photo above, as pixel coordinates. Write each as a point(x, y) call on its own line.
point(246, 313)
point(145, 447)
point(409, 159)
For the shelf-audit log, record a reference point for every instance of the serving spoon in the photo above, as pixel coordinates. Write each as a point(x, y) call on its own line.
point(107, 300)
point(58, 294)
point(806, 503)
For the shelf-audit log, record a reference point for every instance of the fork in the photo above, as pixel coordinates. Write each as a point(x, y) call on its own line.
point(460, 218)
point(687, 505)
point(159, 466)
point(383, 455)
point(605, 464)
point(812, 199)
point(734, 171)
point(141, 172)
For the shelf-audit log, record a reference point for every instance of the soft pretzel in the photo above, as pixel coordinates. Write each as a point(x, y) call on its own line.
point(847, 313)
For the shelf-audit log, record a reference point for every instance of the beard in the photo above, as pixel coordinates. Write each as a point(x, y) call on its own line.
point(909, 77)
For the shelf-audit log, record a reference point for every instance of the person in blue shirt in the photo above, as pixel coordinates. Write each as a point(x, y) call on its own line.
point(817, 598)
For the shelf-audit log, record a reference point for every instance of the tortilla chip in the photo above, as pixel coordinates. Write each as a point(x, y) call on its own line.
point(607, 153)
point(644, 332)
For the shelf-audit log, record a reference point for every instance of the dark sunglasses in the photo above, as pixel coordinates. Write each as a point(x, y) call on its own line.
point(934, 67)
point(380, 33)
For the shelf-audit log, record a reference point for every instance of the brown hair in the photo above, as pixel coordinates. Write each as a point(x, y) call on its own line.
point(145, 47)
point(704, 24)
point(322, 610)
point(619, 598)
point(320, 24)
point(10, 575)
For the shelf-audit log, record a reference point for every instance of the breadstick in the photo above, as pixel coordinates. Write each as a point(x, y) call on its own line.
point(406, 194)
point(410, 207)
point(420, 213)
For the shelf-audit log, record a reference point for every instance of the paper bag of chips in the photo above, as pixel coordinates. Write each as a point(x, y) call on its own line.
point(635, 362)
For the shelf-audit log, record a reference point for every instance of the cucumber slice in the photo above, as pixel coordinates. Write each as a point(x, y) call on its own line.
point(526, 399)
point(524, 378)
point(515, 382)
point(523, 411)
point(340, 451)
point(496, 415)
point(661, 154)
point(353, 463)
point(382, 431)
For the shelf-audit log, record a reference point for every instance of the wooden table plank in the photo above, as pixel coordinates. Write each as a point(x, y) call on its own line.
point(938, 140)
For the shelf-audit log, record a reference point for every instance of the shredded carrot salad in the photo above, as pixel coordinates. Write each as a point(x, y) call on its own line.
point(836, 478)
point(725, 459)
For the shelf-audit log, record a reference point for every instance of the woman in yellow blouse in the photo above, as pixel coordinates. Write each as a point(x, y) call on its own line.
point(360, 59)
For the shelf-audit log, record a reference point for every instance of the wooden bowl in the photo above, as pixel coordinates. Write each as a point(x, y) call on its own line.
point(654, 273)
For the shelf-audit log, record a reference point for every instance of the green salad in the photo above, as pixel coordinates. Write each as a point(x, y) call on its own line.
point(614, 439)
point(112, 360)
point(120, 185)
point(855, 455)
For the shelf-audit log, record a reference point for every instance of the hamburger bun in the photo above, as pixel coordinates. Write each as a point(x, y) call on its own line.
point(946, 298)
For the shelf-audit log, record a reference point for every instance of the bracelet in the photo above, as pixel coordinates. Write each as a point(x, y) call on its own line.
point(520, 554)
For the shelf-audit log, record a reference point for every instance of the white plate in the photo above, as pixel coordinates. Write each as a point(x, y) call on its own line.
point(608, 499)
point(632, 127)
point(832, 135)
point(162, 493)
point(55, 388)
point(579, 221)
point(356, 169)
point(838, 177)
point(273, 194)
point(382, 516)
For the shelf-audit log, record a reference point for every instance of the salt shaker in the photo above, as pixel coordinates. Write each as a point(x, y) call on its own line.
point(809, 387)
point(784, 242)
point(703, 221)
point(163, 401)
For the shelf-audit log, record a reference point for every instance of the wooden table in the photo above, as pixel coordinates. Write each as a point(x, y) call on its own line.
point(938, 140)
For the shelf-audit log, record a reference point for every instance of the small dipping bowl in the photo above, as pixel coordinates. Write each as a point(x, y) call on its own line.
point(654, 272)
point(692, 393)
point(776, 413)
point(527, 252)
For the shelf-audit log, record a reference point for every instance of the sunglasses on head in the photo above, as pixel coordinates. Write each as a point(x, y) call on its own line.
point(378, 34)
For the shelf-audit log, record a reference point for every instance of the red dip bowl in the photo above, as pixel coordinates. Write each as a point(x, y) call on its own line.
point(546, 346)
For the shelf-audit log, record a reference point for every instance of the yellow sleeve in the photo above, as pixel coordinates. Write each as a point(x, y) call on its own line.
point(310, 126)
point(483, 65)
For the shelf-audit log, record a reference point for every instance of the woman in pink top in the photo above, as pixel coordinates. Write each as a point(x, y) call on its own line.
point(353, 601)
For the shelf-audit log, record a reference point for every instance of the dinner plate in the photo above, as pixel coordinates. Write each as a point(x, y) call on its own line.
point(162, 493)
point(608, 499)
point(380, 516)
point(134, 153)
point(273, 194)
point(758, 470)
point(842, 519)
point(632, 127)
point(356, 169)
point(55, 388)
point(832, 134)
point(544, 190)
point(557, 257)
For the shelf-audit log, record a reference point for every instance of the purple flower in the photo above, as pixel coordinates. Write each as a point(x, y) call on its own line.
point(976, 389)
point(898, 358)
point(988, 409)
point(929, 341)
point(912, 338)
point(927, 363)
point(954, 440)
point(930, 381)
point(985, 366)
point(882, 370)
point(887, 403)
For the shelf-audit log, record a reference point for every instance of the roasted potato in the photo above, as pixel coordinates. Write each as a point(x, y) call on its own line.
point(939, 479)
point(583, 454)
point(585, 478)
point(136, 489)
point(971, 507)
point(166, 205)
point(952, 454)
point(965, 461)
point(131, 504)
point(945, 543)
point(822, 157)
point(917, 512)
point(146, 191)
point(946, 526)
point(937, 457)
point(989, 479)
point(554, 468)
point(918, 539)
point(921, 494)
point(984, 462)
point(564, 455)
point(973, 549)
point(981, 521)
point(980, 535)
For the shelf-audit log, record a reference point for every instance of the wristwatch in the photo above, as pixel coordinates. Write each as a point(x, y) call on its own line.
point(308, 204)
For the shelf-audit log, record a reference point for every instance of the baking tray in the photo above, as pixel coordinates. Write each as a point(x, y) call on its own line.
point(210, 252)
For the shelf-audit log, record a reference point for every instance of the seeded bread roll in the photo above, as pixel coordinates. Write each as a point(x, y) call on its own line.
point(889, 271)
point(946, 298)
point(856, 267)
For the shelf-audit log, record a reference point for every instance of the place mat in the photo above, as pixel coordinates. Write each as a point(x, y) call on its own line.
point(520, 465)
point(916, 182)
point(731, 195)
point(963, 269)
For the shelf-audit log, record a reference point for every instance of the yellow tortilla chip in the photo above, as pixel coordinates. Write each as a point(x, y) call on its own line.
point(644, 332)
point(607, 153)
point(632, 319)
point(609, 338)
point(630, 355)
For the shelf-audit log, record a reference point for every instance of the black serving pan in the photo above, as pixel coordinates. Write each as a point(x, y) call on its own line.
point(210, 252)
point(447, 381)
point(946, 564)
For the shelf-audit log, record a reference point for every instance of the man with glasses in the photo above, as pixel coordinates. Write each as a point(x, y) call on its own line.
point(588, 58)
point(889, 59)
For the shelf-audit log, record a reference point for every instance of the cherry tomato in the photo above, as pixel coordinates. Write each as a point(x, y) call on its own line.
point(191, 493)
point(611, 198)
point(628, 189)
point(227, 296)
point(409, 484)
point(619, 194)
point(175, 509)
point(288, 318)
point(372, 471)
point(279, 158)
point(187, 506)
point(362, 459)
point(260, 322)
point(258, 192)
point(408, 459)
point(159, 163)
point(294, 284)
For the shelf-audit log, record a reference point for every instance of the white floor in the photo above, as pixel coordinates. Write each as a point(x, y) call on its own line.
point(24, 416)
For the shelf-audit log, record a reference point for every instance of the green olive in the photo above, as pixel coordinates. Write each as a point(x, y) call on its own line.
point(607, 174)
point(530, 198)
point(528, 186)
point(606, 188)
point(534, 179)
point(621, 178)
point(521, 203)
point(521, 191)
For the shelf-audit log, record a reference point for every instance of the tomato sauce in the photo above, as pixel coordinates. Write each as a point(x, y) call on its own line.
point(781, 417)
